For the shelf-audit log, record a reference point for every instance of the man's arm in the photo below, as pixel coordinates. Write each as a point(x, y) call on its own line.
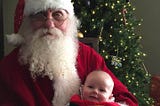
point(93, 61)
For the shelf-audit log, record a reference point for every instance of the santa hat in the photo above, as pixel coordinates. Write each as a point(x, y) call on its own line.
point(27, 7)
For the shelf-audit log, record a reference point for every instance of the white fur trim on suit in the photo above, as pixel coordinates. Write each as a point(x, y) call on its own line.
point(34, 6)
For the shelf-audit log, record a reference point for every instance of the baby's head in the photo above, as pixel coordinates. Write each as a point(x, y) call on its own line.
point(98, 87)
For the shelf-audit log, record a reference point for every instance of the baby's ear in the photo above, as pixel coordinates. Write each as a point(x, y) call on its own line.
point(80, 89)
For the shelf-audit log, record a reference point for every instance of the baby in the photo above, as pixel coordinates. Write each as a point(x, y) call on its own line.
point(97, 90)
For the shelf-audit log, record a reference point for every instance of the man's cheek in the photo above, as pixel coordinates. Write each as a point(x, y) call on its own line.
point(36, 25)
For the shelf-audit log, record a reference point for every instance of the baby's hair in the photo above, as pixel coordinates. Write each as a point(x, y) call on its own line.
point(111, 82)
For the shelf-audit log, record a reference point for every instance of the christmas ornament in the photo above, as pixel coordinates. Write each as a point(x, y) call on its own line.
point(80, 35)
point(116, 61)
point(124, 11)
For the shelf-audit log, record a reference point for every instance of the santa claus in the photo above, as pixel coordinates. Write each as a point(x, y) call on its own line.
point(49, 63)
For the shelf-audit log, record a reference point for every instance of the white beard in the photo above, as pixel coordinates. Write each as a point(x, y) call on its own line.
point(55, 58)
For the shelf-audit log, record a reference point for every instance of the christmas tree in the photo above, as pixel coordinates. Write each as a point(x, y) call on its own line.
point(114, 23)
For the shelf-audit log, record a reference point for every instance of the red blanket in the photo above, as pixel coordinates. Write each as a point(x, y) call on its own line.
point(76, 100)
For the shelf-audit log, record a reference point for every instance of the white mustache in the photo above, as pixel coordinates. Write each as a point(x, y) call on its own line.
point(53, 32)
point(49, 31)
point(45, 31)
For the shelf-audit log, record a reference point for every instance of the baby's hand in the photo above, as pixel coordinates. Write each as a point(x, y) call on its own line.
point(112, 99)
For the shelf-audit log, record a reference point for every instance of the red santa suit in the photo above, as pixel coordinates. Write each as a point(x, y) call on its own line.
point(18, 88)
point(77, 101)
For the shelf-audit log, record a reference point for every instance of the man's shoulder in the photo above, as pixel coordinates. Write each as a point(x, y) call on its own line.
point(84, 48)
point(87, 50)
point(10, 59)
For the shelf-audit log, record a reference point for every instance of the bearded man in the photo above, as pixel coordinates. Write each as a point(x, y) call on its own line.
point(49, 63)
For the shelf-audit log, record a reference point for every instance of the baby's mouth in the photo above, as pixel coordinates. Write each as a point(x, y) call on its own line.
point(93, 98)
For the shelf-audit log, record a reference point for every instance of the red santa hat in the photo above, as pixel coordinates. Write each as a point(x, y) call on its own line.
point(27, 7)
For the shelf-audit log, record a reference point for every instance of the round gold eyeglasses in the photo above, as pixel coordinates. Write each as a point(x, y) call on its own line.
point(58, 16)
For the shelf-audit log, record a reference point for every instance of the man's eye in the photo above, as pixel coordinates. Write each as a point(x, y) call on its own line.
point(41, 13)
point(38, 15)
point(58, 15)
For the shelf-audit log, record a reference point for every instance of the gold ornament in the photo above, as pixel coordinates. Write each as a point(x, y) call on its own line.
point(80, 35)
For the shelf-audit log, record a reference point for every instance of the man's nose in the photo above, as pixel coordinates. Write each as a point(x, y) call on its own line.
point(49, 23)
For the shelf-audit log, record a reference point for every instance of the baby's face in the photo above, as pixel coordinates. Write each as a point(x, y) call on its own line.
point(96, 89)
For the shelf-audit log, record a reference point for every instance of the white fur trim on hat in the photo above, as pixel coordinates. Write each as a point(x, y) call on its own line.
point(34, 6)
point(15, 39)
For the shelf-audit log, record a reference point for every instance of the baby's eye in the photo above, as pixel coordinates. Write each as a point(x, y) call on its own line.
point(102, 90)
point(89, 86)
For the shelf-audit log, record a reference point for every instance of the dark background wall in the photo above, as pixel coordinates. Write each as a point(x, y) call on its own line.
point(1, 31)
point(8, 15)
point(148, 10)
